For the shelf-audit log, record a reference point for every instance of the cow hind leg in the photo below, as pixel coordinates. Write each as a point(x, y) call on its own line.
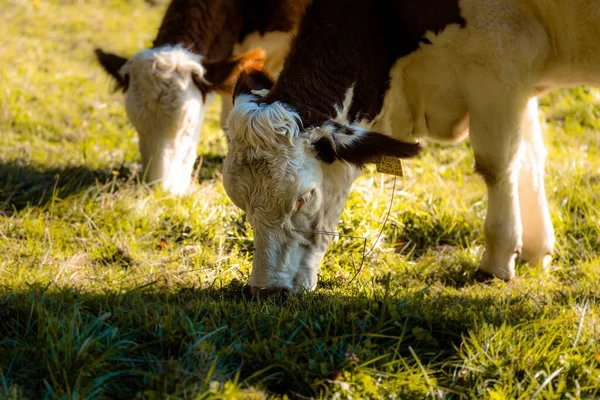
point(538, 233)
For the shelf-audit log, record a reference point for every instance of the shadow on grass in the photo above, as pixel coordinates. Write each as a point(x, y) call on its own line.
point(165, 342)
point(29, 186)
point(208, 166)
point(25, 186)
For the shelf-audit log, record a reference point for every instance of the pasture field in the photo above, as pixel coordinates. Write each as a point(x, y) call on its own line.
point(109, 289)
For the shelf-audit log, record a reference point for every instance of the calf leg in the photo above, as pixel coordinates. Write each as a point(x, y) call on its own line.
point(496, 136)
point(538, 234)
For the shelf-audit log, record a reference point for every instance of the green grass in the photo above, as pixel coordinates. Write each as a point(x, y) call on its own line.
point(109, 289)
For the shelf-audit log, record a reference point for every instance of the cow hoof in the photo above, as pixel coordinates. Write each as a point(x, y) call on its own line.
point(546, 261)
point(544, 258)
point(497, 267)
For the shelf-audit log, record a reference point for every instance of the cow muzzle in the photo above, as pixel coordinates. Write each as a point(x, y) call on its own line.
point(263, 293)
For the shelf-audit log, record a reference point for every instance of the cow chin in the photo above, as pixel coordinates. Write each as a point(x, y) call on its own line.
point(282, 263)
point(287, 262)
point(167, 141)
point(295, 270)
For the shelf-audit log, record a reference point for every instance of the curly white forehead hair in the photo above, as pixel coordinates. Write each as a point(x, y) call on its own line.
point(173, 64)
point(263, 128)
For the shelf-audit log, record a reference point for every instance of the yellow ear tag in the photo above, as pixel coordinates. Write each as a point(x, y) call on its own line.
point(261, 92)
point(389, 165)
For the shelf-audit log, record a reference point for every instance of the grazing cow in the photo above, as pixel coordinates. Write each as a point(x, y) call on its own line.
point(436, 69)
point(201, 47)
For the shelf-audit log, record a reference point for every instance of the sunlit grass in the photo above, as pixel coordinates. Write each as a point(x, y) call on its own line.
point(109, 289)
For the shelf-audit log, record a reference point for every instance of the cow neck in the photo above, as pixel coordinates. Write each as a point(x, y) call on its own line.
point(200, 27)
point(324, 63)
point(354, 43)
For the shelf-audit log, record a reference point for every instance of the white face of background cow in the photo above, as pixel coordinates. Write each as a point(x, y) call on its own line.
point(293, 182)
point(167, 109)
point(168, 90)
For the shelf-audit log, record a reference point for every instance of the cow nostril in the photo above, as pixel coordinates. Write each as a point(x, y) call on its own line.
point(263, 293)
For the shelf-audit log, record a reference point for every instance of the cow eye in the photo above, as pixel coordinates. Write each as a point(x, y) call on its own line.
point(302, 200)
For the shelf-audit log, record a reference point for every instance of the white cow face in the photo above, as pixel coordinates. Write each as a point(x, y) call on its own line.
point(168, 90)
point(167, 108)
point(292, 182)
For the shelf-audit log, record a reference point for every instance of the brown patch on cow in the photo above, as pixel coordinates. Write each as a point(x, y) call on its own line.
point(198, 24)
point(311, 116)
point(324, 148)
point(265, 16)
point(364, 149)
point(341, 43)
point(370, 145)
point(251, 78)
point(222, 75)
point(211, 28)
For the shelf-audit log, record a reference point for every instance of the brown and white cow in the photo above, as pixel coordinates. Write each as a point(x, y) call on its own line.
point(436, 69)
point(201, 47)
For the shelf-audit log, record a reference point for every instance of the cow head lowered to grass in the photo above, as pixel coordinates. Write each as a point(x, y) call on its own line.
point(293, 178)
point(431, 69)
point(168, 90)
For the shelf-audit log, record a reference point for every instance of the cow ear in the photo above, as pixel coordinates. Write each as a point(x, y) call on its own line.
point(253, 81)
point(222, 75)
point(112, 64)
point(359, 147)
